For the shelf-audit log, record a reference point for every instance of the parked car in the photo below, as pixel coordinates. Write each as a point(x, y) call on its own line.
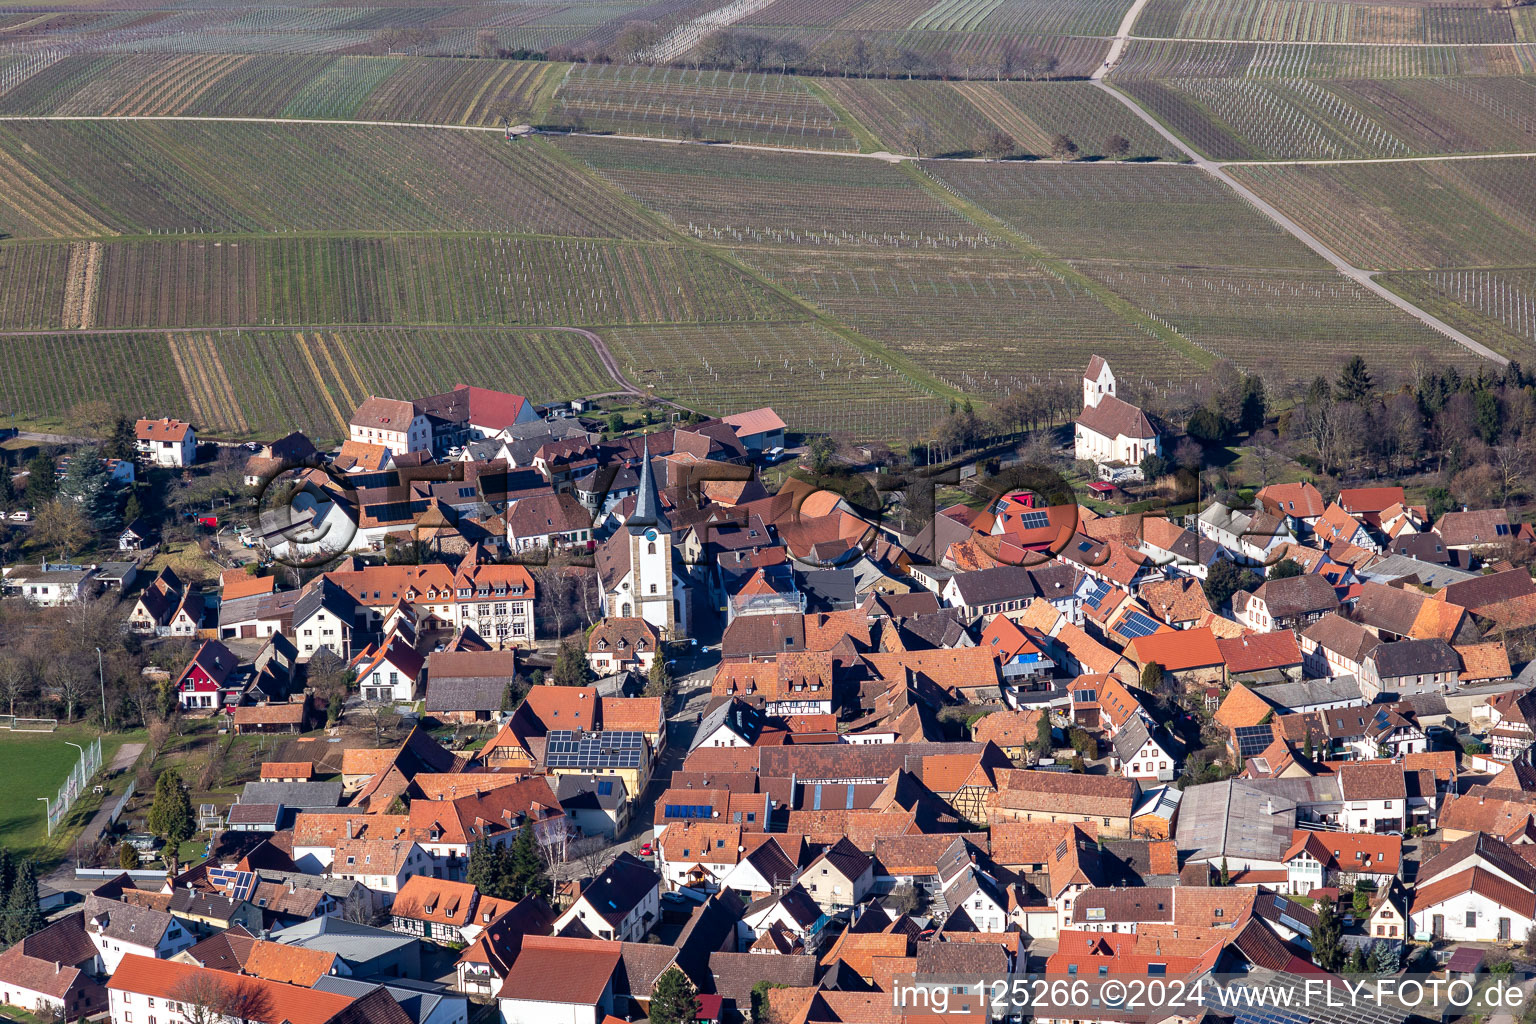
point(21, 516)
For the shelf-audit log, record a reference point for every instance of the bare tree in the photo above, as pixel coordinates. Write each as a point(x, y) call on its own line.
point(201, 997)
point(73, 683)
point(15, 680)
point(917, 135)
point(553, 835)
point(383, 717)
point(1266, 455)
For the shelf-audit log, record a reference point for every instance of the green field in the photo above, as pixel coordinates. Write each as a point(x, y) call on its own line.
point(35, 765)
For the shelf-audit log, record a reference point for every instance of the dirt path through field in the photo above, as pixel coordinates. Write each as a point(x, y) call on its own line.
point(1122, 37)
point(1364, 278)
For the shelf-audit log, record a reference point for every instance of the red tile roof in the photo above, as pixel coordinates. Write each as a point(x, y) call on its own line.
point(278, 1003)
point(553, 969)
point(1257, 651)
point(1177, 650)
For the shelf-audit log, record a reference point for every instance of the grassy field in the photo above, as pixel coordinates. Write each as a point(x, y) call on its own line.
point(35, 765)
point(1400, 216)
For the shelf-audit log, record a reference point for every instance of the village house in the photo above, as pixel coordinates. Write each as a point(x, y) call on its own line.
point(165, 442)
point(1293, 602)
point(622, 903)
point(618, 644)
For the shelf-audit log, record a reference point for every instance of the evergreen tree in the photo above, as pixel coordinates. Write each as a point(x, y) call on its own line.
point(170, 815)
point(1284, 569)
point(8, 872)
point(1327, 938)
point(571, 668)
point(525, 874)
point(127, 857)
point(1386, 958)
point(673, 1000)
point(660, 683)
point(1354, 380)
point(1307, 748)
point(1356, 962)
point(41, 483)
point(1226, 875)
point(86, 482)
point(1045, 742)
point(485, 869)
point(7, 486)
point(132, 509)
point(123, 442)
point(23, 913)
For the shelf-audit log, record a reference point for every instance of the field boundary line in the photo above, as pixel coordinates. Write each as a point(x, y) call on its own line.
point(860, 132)
point(1364, 278)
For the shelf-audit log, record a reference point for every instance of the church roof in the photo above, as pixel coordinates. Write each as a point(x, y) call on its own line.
point(1115, 418)
point(647, 512)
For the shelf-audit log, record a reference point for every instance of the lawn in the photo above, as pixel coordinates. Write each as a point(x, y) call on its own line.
point(35, 765)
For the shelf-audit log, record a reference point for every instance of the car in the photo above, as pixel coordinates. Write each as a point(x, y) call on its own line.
point(774, 454)
point(252, 446)
point(646, 850)
point(21, 516)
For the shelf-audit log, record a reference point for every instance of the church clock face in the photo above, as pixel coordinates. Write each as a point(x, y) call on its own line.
point(650, 534)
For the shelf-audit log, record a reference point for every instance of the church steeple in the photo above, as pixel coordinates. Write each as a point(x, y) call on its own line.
point(647, 514)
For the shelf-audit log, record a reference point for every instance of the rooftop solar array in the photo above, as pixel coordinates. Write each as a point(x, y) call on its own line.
point(1096, 596)
point(1137, 624)
point(566, 748)
point(1252, 739)
point(1034, 520)
point(233, 883)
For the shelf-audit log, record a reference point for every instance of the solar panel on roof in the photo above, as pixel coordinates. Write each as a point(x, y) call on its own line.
point(1034, 520)
point(1137, 624)
point(567, 749)
point(1252, 739)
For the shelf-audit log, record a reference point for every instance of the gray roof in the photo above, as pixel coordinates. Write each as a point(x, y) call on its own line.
point(292, 794)
point(581, 792)
point(420, 999)
point(125, 922)
point(340, 888)
point(1234, 819)
point(1396, 567)
point(647, 504)
point(1311, 692)
point(354, 942)
point(1414, 657)
point(740, 718)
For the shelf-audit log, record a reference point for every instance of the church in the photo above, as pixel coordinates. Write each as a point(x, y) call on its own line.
point(640, 569)
point(1108, 429)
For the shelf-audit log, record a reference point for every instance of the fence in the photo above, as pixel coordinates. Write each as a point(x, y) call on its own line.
point(121, 805)
point(88, 765)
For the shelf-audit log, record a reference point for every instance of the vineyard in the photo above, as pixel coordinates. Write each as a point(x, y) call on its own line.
point(419, 90)
point(1117, 212)
point(953, 114)
point(811, 377)
point(413, 279)
point(87, 177)
point(1298, 118)
point(1479, 213)
point(1029, 17)
point(1162, 58)
point(265, 383)
point(734, 197)
point(978, 322)
point(1325, 21)
point(717, 105)
point(1497, 307)
point(1297, 324)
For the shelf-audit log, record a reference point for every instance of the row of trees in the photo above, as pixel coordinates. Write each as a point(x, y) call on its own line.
point(511, 872)
point(843, 54)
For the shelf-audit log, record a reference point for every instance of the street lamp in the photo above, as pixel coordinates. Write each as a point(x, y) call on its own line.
point(101, 676)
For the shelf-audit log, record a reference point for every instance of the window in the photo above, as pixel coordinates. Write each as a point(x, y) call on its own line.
point(650, 548)
point(1471, 919)
point(1071, 969)
point(653, 588)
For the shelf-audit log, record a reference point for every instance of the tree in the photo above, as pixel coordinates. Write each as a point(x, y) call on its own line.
point(1152, 677)
point(1062, 147)
point(86, 483)
point(571, 668)
point(1386, 958)
point(42, 482)
point(485, 870)
point(123, 442)
point(524, 868)
point(15, 681)
point(62, 524)
point(1226, 875)
point(1354, 380)
point(1356, 962)
point(170, 815)
point(1225, 579)
point(673, 1000)
point(994, 144)
point(73, 683)
point(1207, 426)
point(820, 449)
point(384, 718)
point(1285, 569)
point(23, 912)
point(1327, 938)
point(916, 135)
point(1117, 147)
point(616, 423)
point(660, 682)
point(7, 485)
point(635, 39)
point(1045, 741)
point(1153, 466)
point(127, 857)
point(1360, 902)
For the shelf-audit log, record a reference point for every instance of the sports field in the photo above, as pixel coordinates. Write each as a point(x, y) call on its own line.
point(35, 765)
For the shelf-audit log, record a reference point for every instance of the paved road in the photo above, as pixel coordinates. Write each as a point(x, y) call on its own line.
point(1364, 278)
point(1122, 37)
